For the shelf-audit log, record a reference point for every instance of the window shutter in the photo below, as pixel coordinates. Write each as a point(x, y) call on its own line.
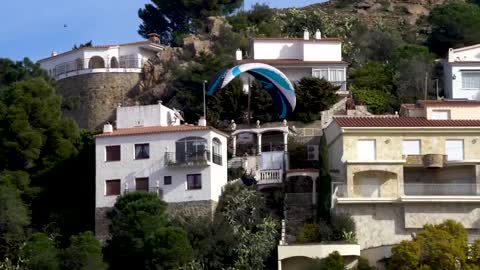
point(454, 149)
point(141, 184)
point(366, 149)
point(112, 187)
point(411, 147)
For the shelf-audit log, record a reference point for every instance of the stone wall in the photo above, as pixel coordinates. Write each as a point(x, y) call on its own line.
point(91, 99)
point(299, 209)
point(197, 208)
point(384, 224)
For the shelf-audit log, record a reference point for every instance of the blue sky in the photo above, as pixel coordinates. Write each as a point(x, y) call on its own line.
point(33, 28)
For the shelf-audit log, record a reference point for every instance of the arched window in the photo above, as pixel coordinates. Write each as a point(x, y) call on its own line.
point(217, 151)
point(96, 62)
point(113, 62)
point(191, 149)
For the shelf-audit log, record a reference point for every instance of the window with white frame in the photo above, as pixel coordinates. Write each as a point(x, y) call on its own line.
point(471, 80)
point(366, 150)
point(337, 75)
point(320, 73)
point(454, 149)
point(441, 114)
point(411, 147)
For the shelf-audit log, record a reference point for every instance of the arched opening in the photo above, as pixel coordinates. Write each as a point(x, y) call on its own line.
point(114, 62)
point(191, 149)
point(217, 151)
point(96, 62)
point(272, 141)
point(375, 184)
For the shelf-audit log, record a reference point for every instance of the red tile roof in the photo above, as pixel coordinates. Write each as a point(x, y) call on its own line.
point(290, 62)
point(286, 39)
point(449, 102)
point(153, 130)
point(393, 121)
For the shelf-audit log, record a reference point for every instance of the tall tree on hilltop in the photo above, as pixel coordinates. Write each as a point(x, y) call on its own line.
point(171, 18)
point(453, 25)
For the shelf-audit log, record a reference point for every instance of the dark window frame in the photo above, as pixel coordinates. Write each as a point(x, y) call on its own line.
point(165, 178)
point(109, 154)
point(108, 192)
point(143, 154)
point(142, 179)
point(194, 181)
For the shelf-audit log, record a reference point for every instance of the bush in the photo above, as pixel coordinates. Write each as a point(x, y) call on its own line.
point(343, 227)
point(378, 102)
point(308, 234)
point(364, 265)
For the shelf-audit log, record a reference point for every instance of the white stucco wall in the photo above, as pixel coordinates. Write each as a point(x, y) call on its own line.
point(277, 49)
point(455, 85)
point(145, 116)
point(51, 63)
point(214, 176)
point(322, 51)
point(470, 53)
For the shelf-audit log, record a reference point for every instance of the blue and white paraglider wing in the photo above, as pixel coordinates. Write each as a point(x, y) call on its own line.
point(273, 81)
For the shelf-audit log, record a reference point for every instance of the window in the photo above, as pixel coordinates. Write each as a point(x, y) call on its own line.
point(112, 153)
point(441, 114)
point(471, 80)
point(366, 149)
point(142, 151)
point(167, 180)
point(141, 184)
point(337, 75)
point(454, 149)
point(194, 181)
point(411, 147)
point(312, 152)
point(320, 73)
point(112, 187)
point(191, 149)
point(217, 151)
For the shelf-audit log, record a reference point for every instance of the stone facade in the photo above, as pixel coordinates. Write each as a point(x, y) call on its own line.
point(299, 210)
point(91, 99)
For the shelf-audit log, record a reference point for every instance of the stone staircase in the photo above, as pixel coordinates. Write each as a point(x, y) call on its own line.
point(299, 209)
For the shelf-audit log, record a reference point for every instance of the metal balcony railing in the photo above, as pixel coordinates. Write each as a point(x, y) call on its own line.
point(97, 63)
point(413, 189)
point(187, 158)
point(441, 189)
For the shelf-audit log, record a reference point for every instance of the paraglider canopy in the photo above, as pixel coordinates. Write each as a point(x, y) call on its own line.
point(273, 81)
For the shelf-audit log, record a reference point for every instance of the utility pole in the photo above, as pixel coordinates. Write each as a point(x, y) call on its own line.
point(249, 95)
point(204, 103)
point(426, 84)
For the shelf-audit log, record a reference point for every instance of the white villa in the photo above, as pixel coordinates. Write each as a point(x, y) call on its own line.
point(319, 57)
point(127, 57)
point(462, 73)
point(150, 151)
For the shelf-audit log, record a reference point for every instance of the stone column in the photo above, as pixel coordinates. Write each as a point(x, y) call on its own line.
point(234, 146)
point(285, 141)
point(400, 180)
point(259, 138)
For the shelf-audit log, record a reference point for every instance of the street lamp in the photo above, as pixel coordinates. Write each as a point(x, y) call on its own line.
point(204, 103)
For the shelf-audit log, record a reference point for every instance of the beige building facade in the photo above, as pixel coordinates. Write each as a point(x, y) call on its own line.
point(394, 174)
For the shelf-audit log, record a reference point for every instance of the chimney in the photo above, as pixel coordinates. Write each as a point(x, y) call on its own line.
point(54, 53)
point(202, 122)
point(154, 38)
point(306, 35)
point(239, 54)
point(318, 34)
point(107, 128)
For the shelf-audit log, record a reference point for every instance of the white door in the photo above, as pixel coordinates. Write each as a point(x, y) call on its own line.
point(370, 187)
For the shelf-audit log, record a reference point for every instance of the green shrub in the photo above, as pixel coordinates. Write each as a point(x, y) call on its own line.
point(343, 227)
point(378, 101)
point(308, 234)
point(364, 265)
point(325, 232)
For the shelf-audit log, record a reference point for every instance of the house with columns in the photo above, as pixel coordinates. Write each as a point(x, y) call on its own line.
point(394, 174)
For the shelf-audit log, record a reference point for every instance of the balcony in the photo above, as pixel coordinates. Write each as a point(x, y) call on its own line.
point(383, 193)
point(182, 159)
point(427, 161)
point(270, 177)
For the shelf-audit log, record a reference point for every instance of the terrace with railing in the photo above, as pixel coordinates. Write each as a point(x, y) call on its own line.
point(187, 158)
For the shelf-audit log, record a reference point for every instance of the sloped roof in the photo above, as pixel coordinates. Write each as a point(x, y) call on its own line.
point(156, 130)
point(392, 121)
